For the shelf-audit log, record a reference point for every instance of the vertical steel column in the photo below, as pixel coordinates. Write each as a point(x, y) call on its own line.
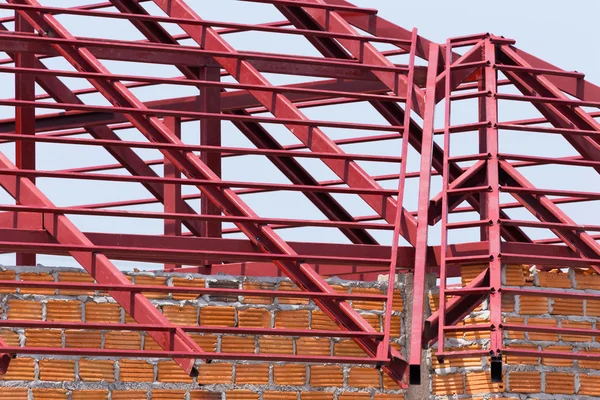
point(384, 346)
point(210, 135)
point(25, 125)
point(172, 191)
point(445, 187)
point(418, 309)
point(493, 208)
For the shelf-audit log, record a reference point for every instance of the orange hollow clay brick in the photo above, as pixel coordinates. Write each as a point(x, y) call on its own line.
point(217, 316)
point(445, 385)
point(289, 374)
point(254, 318)
point(291, 319)
point(560, 383)
point(89, 395)
point(326, 375)
point(313, 346)
point(49, 394)
point(151, 281)
point(96, 370)
point(355, 396)
point(171, 372)
point(290, 287)
point(165, 394)
point(129, 395)
point(563, 306)
point(190, 283)
point(278, 395)
point(275, 345)
point(36, 277)
point(75, 277)
point(215, 373)
point(56, 370)
point(21, 369)
point(186, 315)
point(14, 393)
point(241, 395)
point(63, 311)
point(525, 382)
point(135, 371)
point(316, 396)
point(364, 377)
point(25, 309)
point(237, 344)
point(255, 374)
point(264, 300)
point(102, 312)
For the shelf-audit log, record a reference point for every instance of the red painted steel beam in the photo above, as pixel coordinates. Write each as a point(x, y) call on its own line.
point(172, 192)
point(25, 152)
point(420, 269)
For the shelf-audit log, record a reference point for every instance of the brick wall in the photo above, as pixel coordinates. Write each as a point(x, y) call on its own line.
point(76, 378)
point(528, 377)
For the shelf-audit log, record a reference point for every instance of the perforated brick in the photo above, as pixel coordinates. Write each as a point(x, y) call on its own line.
point(291, 319)
point(325, 375)
point(83, 339)
point(215, 373)
point(36, 277)
point(25, 309)
point(56, 370)
point(258, 286)
point(444, 385)
point(254, 318)
point(275, 345)
point(237, 344)
point(122, 340)
point(313, 346)
point(289, 374)
point(190, 283)
point(21, 369)
point(560, 383)
point(171, 372)
point(63, 311)
point(363, 377)
point(43, 338)
point(102, 312)
point(256, 374)
point(135, 371)
point(49, 394)
point(524, 382)
point(186, 315)
point(96, 370)
point(89, 395)
point(217, 316)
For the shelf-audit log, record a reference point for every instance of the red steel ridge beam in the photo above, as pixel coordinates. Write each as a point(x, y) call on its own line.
point(265, 238)
point(134, 17)
point(311, 66)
